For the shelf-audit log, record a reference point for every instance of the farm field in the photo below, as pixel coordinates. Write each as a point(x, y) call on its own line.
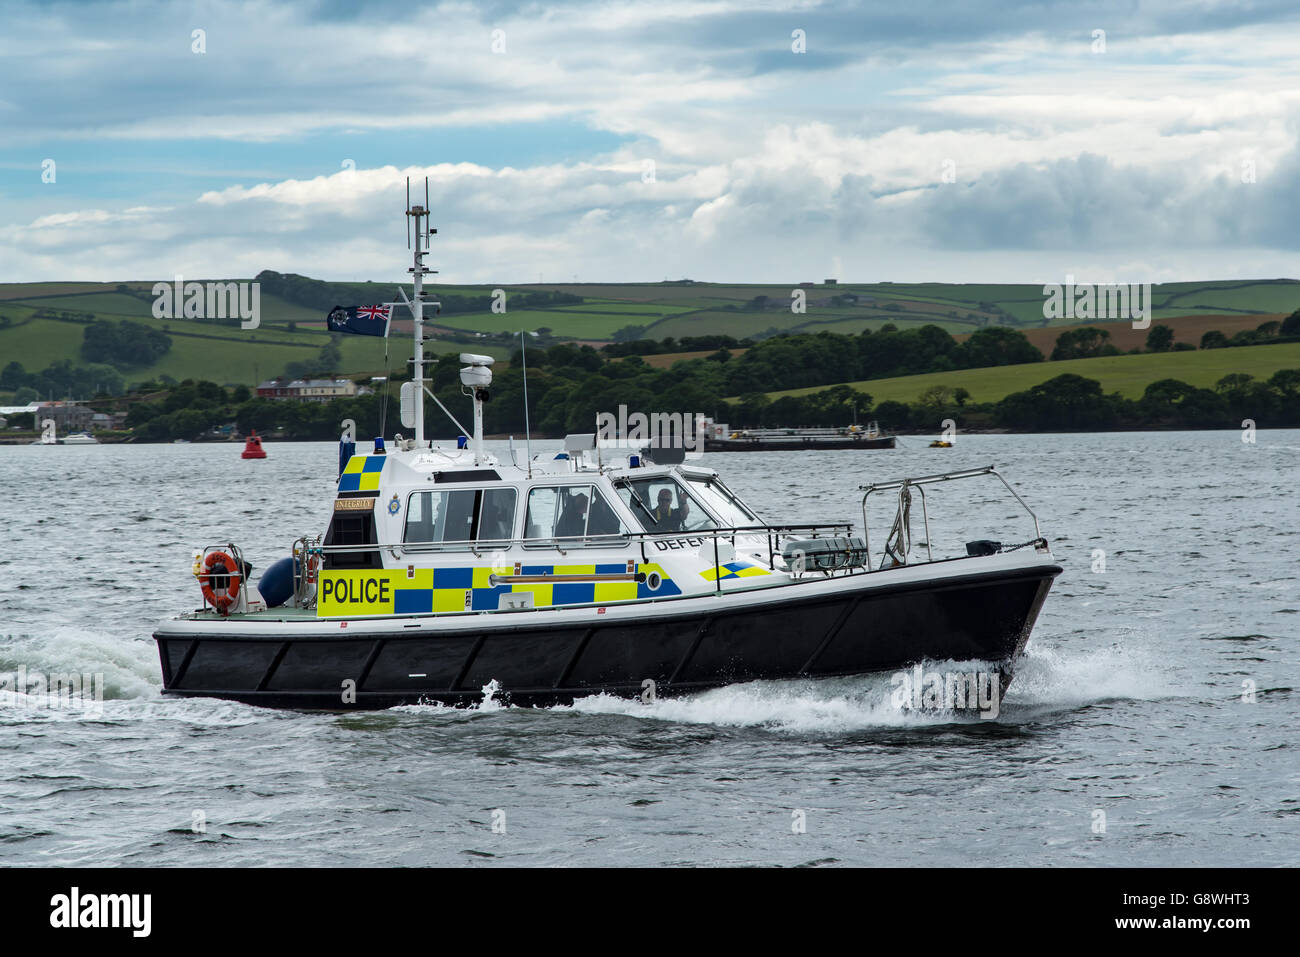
point(674, 309)
point(224, 354)
point(1127, 375)
point(665, 360)
point(579, 325)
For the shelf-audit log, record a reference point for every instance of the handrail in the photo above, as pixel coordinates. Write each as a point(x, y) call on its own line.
point(591, 539)
point(928, 479)
point(903, 484)
point(310, 548)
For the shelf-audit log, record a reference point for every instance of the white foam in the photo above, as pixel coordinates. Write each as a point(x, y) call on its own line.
point(130, 667)
point(490, 704)
point(1047, 679)
point(829, 706)
point(1052, 677)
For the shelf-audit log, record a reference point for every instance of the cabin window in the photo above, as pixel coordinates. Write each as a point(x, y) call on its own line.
point(570, 516)
point(663, 505)
point(722, 501)
point(459, 517)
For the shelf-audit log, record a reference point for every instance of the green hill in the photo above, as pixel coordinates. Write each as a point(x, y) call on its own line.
point(657, 310)
point(1129, 375)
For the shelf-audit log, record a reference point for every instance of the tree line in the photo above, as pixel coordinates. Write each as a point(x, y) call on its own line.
point(1068, 402)
point(322, 295)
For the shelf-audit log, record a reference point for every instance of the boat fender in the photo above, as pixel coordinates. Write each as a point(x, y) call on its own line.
point(276, 583)
point(227, 580)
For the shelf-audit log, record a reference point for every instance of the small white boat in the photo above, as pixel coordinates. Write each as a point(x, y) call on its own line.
point(49, 436)
point(79, 438)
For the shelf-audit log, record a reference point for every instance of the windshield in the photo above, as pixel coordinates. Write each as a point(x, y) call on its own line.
point(721, 501)
point(663, 505)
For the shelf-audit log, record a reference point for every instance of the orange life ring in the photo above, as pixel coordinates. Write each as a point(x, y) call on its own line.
point(230, 572)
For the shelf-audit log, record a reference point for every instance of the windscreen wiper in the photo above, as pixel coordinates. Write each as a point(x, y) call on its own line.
point(632, 492)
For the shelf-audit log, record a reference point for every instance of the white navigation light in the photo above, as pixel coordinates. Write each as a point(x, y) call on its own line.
point(476, 373)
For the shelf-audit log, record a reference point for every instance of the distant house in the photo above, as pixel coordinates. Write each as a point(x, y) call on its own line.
point(856, 299)
point(831, 282)
point(307, 390)
point(273, 389)
point(67, 416)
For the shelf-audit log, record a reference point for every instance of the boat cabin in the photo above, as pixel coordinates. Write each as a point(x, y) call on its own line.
point(430, 530)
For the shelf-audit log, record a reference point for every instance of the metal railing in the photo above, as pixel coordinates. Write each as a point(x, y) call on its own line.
point(902, 517)
point(311, 553)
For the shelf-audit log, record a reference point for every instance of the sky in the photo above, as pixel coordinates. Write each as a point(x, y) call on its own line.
point(976, 141)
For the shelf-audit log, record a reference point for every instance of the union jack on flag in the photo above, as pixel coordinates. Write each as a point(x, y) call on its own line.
point(360, 320)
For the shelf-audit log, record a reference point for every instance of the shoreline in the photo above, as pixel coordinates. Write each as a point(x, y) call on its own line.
point(30, 438)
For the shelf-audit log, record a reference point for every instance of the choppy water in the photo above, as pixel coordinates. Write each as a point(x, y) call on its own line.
point(1128, 702)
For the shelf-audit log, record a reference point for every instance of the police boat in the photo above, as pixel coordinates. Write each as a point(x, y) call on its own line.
point(445, 574)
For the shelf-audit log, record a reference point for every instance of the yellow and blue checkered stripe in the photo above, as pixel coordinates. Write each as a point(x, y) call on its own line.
point(732, 570)
point(361, 474)
point(424, 591)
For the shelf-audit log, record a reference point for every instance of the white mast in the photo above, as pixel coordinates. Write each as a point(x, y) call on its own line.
point(420, 216)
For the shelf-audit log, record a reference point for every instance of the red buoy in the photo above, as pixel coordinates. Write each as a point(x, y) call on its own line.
point(253, 447)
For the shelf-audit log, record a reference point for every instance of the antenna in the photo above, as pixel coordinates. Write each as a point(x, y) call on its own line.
point(528, 431)
point(418, 217)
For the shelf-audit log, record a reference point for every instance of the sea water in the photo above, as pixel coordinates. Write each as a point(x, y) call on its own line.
point(1152, 721)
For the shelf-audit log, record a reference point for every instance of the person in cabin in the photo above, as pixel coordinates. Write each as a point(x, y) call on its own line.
point(667, 518)
point(495, 522)
point(573, 520)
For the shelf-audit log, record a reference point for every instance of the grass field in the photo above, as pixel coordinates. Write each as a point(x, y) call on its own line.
point(633, 310)
point(578, 325)
point(665, 359)
point(666, 309)
point(224, 354)
point(1127, 375)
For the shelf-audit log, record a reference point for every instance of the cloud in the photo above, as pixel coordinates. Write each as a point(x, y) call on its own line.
point(768, 163)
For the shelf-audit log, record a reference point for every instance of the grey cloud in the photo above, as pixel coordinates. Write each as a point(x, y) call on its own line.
point(1090, 203)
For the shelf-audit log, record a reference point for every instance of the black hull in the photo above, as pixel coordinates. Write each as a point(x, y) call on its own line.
point(795, 444)
point(986, 617)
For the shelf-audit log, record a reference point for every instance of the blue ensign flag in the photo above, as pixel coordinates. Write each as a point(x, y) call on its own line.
point(360, 320)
